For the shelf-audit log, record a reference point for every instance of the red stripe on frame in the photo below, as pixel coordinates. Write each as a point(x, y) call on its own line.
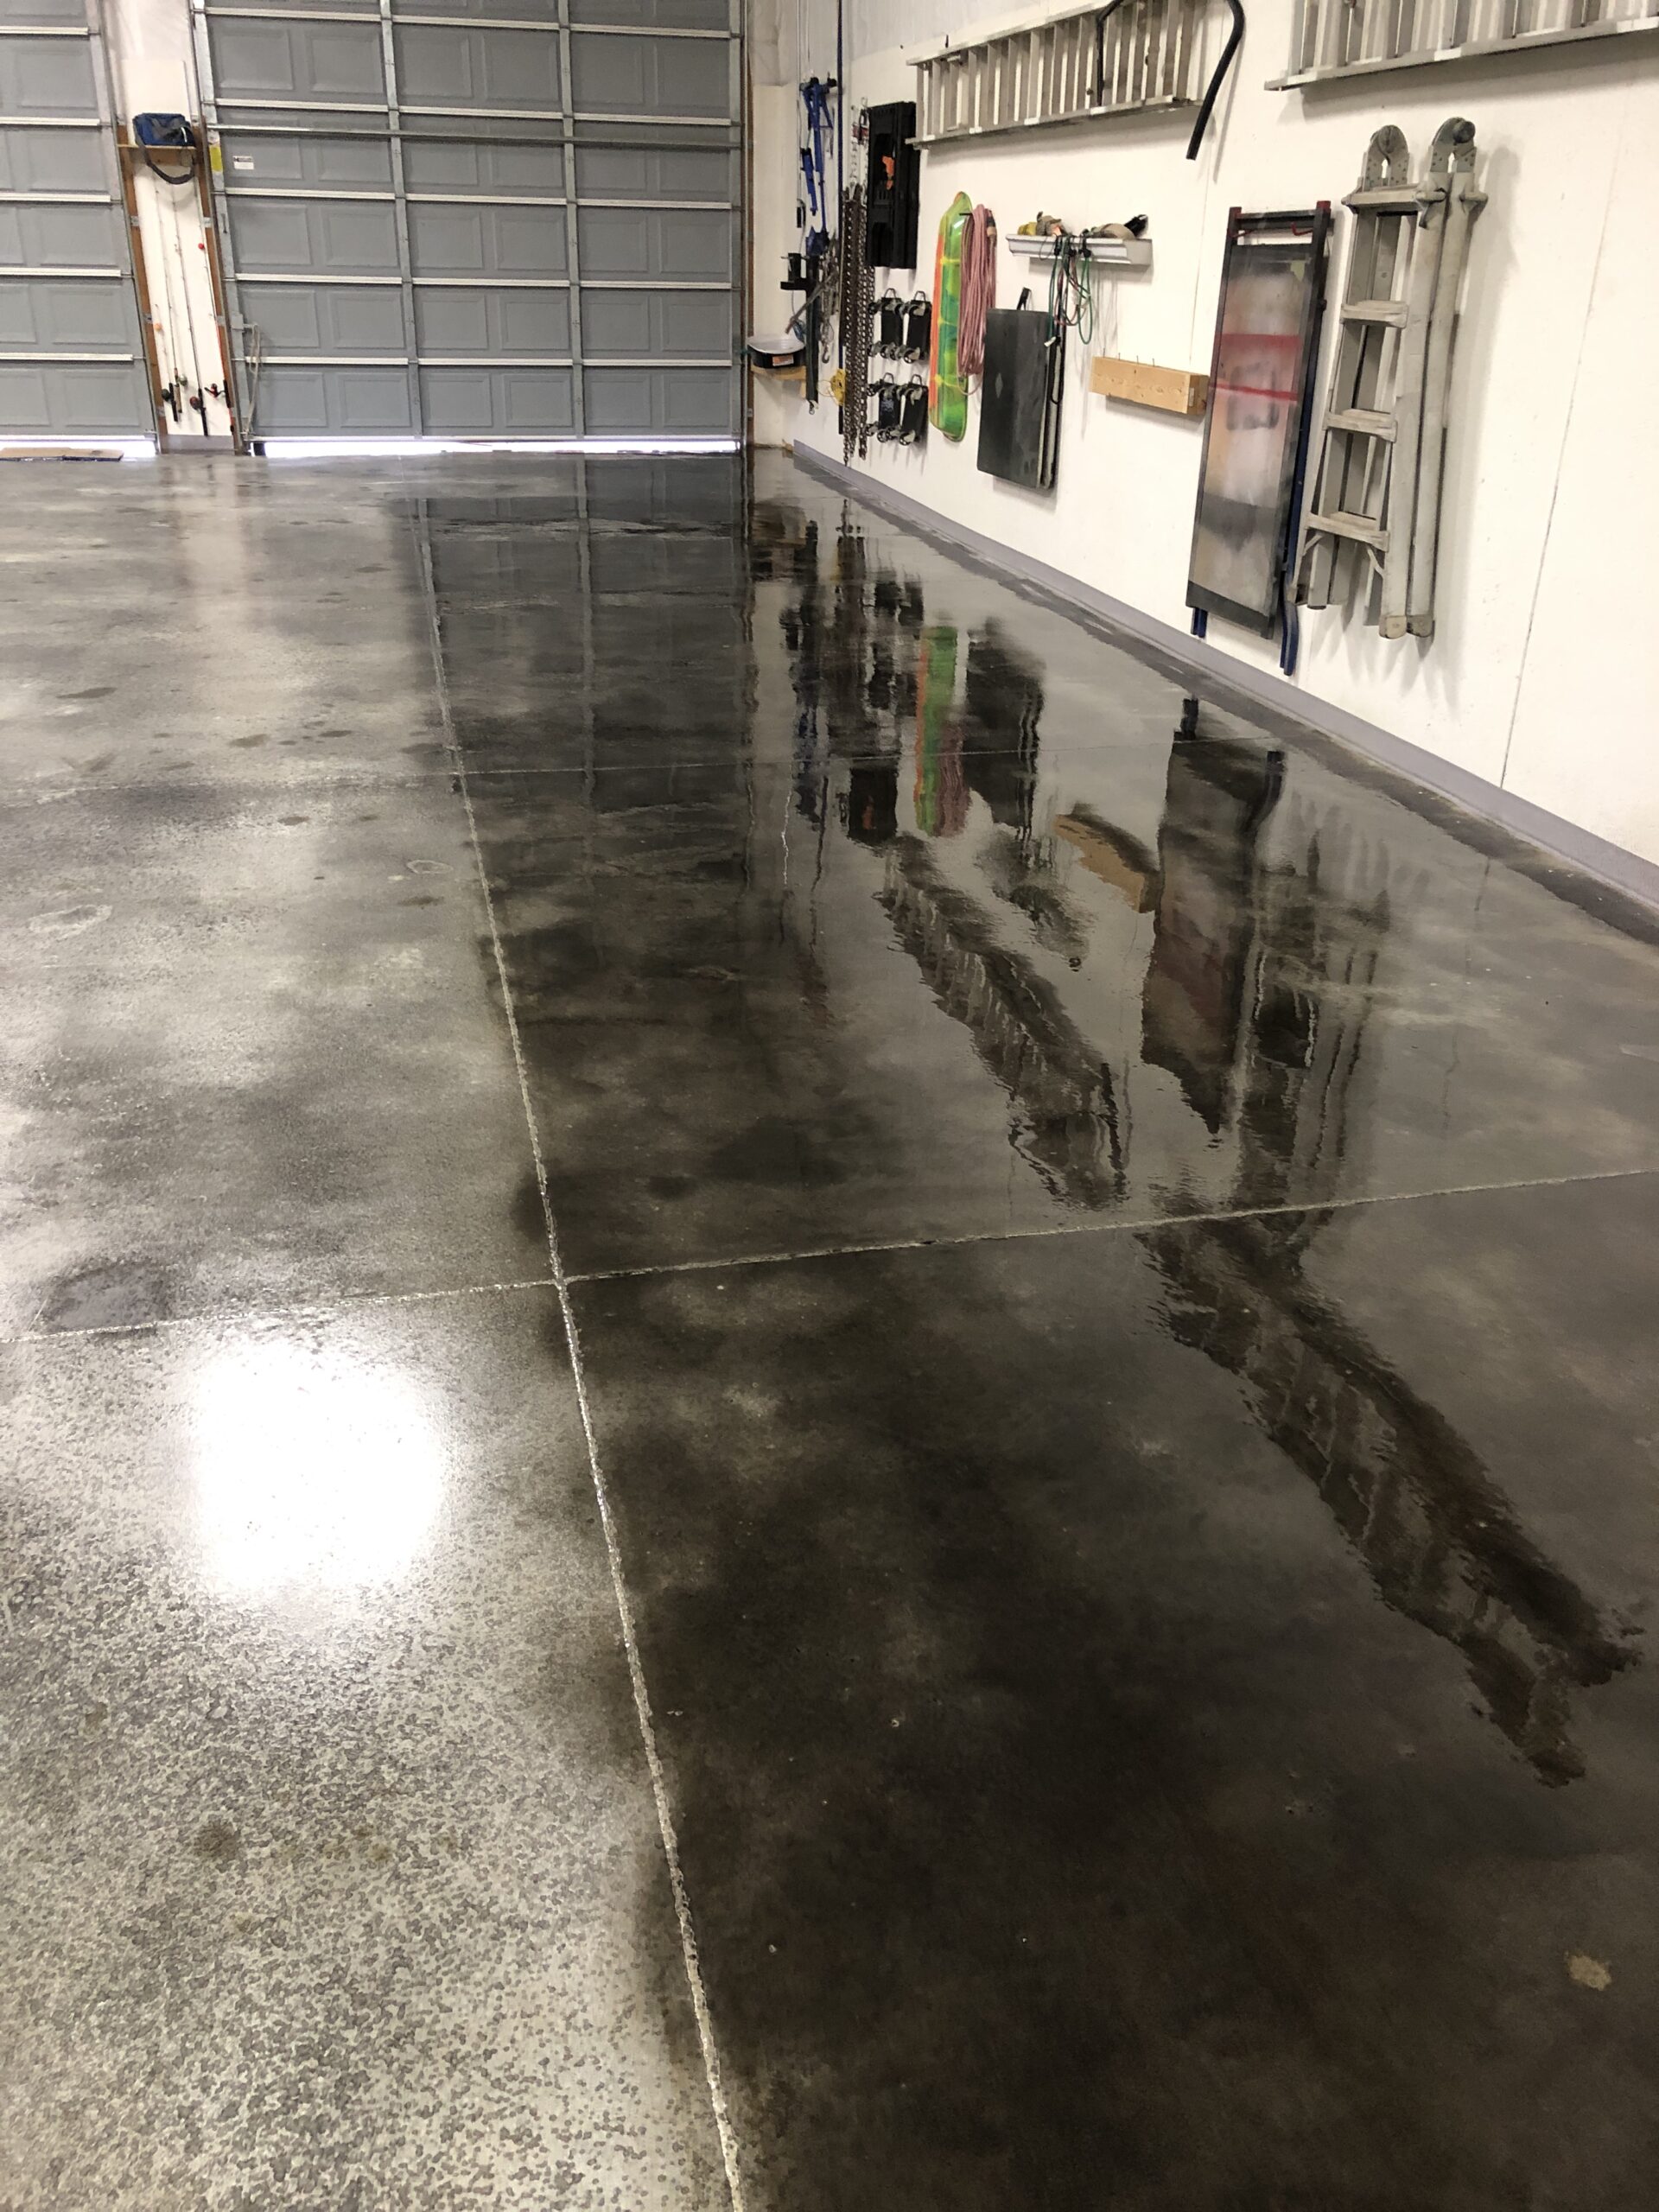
point(1255, 391)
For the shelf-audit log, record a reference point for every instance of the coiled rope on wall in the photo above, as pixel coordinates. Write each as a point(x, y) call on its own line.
point(978, 289)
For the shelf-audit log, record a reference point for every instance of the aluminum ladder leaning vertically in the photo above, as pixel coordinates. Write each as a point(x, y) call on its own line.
point(1377, 500)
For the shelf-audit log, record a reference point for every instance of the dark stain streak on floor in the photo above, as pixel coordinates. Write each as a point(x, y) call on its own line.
point(1113, 1252)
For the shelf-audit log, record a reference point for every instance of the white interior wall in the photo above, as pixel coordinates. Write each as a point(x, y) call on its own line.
point(151, 59)
point(1542, 678)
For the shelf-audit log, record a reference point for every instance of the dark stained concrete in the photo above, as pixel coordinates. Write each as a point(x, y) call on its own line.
point(1113, 1252)
point(1181, 1699)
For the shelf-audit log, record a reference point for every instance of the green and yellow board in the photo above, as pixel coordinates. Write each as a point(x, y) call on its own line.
point(947, 402)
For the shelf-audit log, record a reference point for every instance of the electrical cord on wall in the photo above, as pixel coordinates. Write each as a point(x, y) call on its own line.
point(1219, 77)
point(1070, 294)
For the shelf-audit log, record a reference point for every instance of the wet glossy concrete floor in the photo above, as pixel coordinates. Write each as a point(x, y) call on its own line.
point(1113, 1257)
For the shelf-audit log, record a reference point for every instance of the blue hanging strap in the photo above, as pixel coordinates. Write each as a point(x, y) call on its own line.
point(821, 127)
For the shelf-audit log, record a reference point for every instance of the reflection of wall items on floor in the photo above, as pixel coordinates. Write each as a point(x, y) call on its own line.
point(1220, 794)
point(1066, 1118)
point(941, 788)
point(1114, 856)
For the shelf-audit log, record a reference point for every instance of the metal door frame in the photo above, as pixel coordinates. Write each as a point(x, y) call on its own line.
point(220, 115)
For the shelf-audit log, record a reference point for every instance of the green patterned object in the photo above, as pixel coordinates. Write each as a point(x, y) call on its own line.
point(947, 407)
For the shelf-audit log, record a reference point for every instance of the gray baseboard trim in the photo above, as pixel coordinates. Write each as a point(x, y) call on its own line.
point(1250, 691)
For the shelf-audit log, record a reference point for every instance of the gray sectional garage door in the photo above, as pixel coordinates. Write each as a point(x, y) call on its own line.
point(71, 361)
point(481, 218)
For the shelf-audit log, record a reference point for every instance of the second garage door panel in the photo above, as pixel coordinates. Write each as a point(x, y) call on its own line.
point(429, 229)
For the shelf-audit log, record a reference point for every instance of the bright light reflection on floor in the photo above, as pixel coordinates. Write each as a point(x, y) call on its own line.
point(313, 1469)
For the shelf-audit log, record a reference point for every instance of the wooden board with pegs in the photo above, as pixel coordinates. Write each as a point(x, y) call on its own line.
point(1177, 391)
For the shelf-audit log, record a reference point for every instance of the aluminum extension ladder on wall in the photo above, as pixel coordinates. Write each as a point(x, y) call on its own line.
point(1377, 493)
point(1071, 65)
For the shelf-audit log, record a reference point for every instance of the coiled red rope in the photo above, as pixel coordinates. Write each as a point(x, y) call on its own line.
point(978, 291)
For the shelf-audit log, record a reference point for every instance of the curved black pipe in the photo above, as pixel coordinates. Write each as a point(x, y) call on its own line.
point(1212, 90)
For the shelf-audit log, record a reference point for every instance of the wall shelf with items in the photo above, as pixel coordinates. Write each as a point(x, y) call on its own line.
point(1108, 252)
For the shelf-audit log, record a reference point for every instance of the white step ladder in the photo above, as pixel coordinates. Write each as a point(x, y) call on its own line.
point(1377, 502)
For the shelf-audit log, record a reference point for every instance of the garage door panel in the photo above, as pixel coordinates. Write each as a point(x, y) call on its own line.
point(446, 165)
point(48, 314)
point(335, 237)
point(70, 13)
point(520, 403)
point(54, 143)
point(51, 160)
point(480, 318)
point(485, 241)
point(653, 15)
point(47, 76)
point(302, 159)
point(532, 11)
point(326, 318)
point(337, 401)
point(277, 61)
point(60, 238)
point(472, 241)
point(445, 65)
point(688, 402)
point(695, 243)
point(73, 398)
point(651, 172)
point(631, 323)
point(650, 76)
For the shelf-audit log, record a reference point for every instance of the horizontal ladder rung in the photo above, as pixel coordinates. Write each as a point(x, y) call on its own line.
point(1387, 200)
point(1392, 311)
point(1360, 528)
point(1363, 422)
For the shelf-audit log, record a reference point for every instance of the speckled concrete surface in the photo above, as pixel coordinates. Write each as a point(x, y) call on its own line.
point(1151, 1699)
point(249, 1054)
point(331, 1873)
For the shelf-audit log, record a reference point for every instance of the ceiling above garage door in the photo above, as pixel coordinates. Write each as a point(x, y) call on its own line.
point(71, 362)
point(490, 219)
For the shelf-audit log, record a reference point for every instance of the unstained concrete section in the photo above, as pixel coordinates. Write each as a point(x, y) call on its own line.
point(1114, 1254)
point(332, 1872)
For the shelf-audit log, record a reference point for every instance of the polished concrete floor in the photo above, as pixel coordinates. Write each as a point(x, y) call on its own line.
point(807, 1406)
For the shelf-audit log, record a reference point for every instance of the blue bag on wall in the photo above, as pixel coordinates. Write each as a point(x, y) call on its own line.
point(172, 134)
point(163, 131)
